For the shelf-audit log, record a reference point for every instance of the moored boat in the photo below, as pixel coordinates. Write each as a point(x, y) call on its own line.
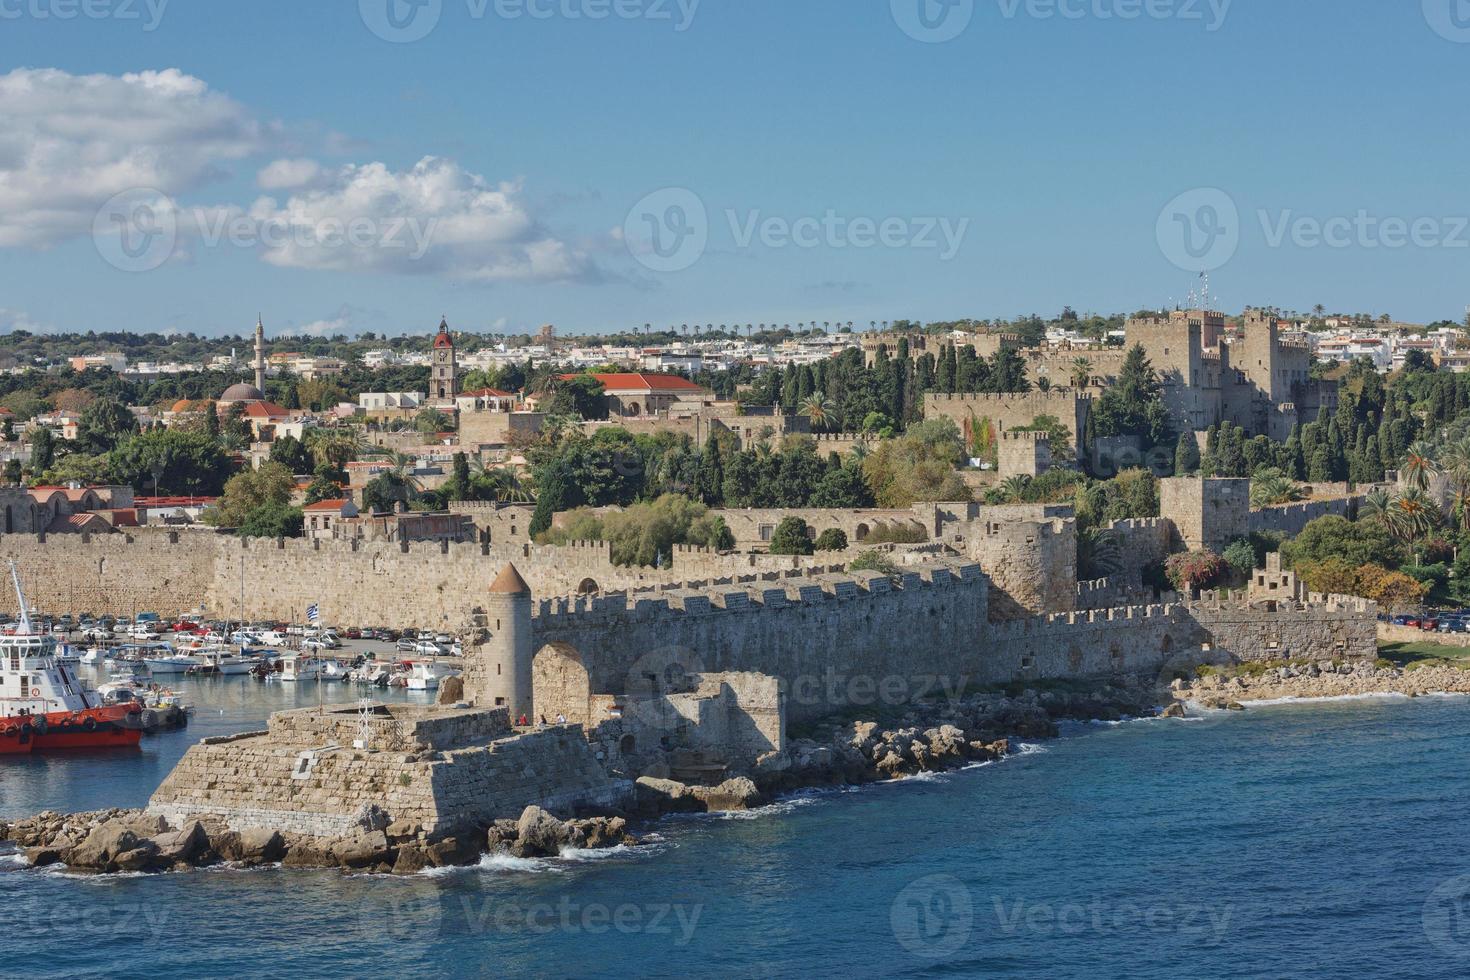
point(43, 705)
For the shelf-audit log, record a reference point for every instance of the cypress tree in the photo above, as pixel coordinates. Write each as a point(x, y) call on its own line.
point(1186, 455)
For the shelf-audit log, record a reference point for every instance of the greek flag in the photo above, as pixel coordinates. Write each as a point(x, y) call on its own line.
point(314, 613)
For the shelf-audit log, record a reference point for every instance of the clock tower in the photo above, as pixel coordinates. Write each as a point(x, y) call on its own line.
point(444, 369)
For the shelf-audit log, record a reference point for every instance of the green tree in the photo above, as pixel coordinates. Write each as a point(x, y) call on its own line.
point(1186, 455)
point(181, 463)
point(248, 490)
point(43, 449)
point(791, 537)
point(273, 520)
point(832, 539)
point(291, 453)
point(104, 424)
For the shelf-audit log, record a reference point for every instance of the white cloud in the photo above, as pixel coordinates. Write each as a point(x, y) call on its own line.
point(339, 324)
point(11, 320)
point(289, 174)
point(435, 218)
point(68, 143)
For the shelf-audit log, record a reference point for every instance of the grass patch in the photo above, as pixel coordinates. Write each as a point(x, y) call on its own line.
point(1420, 654)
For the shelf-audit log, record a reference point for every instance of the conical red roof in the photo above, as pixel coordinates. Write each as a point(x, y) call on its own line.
point(509, 582)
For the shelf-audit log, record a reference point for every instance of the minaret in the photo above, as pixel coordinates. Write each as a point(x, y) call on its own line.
point(260, 354)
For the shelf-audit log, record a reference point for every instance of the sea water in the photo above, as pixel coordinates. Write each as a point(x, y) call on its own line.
point(1320, 840)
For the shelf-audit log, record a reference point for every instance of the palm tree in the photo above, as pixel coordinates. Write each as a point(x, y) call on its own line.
point(1099, 553)
point(1375, 504)
point(1081, 373)
point(819, 410)
point(1411, 514)
point(1419, 465)
point(1014, 488)
point(1271, 486)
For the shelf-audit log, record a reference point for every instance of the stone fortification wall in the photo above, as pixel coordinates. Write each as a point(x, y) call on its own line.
point(1015, 411)
point(305, 787)
point(1144, 541)
point(1032, 566)
point(799, 630)
point(112, 573)
point(1289, 519)
point(753, 528)
point(1087, 644)
point(1323, 628)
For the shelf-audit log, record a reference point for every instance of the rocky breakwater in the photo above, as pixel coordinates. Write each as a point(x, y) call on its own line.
point(1233, 688)
point(110, 841)
point(924, 737)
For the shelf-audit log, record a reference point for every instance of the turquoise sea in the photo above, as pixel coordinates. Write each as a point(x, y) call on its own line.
point(1324, 840)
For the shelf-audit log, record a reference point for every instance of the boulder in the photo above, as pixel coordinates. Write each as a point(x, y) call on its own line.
point(104, 843)
point(371, 817)
point(362, 850)
point(655, 796)
point(600, 832)
point(738, 793)
point(140, 858)
point(186, 845)
point(307, 852)
point(412, 858)
point(453, 852)
point(538, 834)
point(500, 836)
point(46, 854)
point(1174, 710)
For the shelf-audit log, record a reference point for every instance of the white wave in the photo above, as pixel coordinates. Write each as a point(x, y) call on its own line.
point(1030, 748)
point(503, 862)
point(1366, 696)
point(589, 854)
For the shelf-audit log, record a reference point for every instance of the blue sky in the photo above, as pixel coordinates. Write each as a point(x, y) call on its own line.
point(1045, 147)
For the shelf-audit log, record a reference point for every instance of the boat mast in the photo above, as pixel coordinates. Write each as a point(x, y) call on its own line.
point(23, 626)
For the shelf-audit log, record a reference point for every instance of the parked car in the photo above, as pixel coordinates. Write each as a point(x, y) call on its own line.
point(406, 646)
point(1429, 624)
point(428, 648)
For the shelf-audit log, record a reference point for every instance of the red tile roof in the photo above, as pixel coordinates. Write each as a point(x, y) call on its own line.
point(327, 505)
point(264, 410)
point(486, 393)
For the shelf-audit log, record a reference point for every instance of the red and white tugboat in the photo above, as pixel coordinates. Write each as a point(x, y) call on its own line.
point(44, 706)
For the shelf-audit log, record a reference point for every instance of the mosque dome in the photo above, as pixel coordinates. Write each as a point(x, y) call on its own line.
point(242, 393)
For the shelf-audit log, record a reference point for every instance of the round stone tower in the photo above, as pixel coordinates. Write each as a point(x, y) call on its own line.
point(501, 675)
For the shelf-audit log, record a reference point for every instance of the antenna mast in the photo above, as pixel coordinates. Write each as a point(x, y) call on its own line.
point(23, 625)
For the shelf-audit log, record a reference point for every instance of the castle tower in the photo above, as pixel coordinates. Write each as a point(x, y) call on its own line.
point(444, 371)
point(498, 674)
point(259, 354)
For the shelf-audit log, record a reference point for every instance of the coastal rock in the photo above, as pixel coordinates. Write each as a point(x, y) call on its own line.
point(307, 852)
point(500, 836)
point(105, 842)
point(371, 817)
point(411, 859)
point(538, 834)
point(452, 852)
point(600, 832)
point(364, 850)
point(1175, 710)
point(249, 847)
point(140, 858)
point(183, 846)
point(655, 796)
point(733, 794)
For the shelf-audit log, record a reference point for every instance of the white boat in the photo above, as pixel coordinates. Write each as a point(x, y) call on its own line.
point(299, 667)
point(425, 676)
point(177, 663)
point(67, 655)
point(225, 663)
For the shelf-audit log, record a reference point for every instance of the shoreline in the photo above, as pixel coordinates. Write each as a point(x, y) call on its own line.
point(921, 740)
